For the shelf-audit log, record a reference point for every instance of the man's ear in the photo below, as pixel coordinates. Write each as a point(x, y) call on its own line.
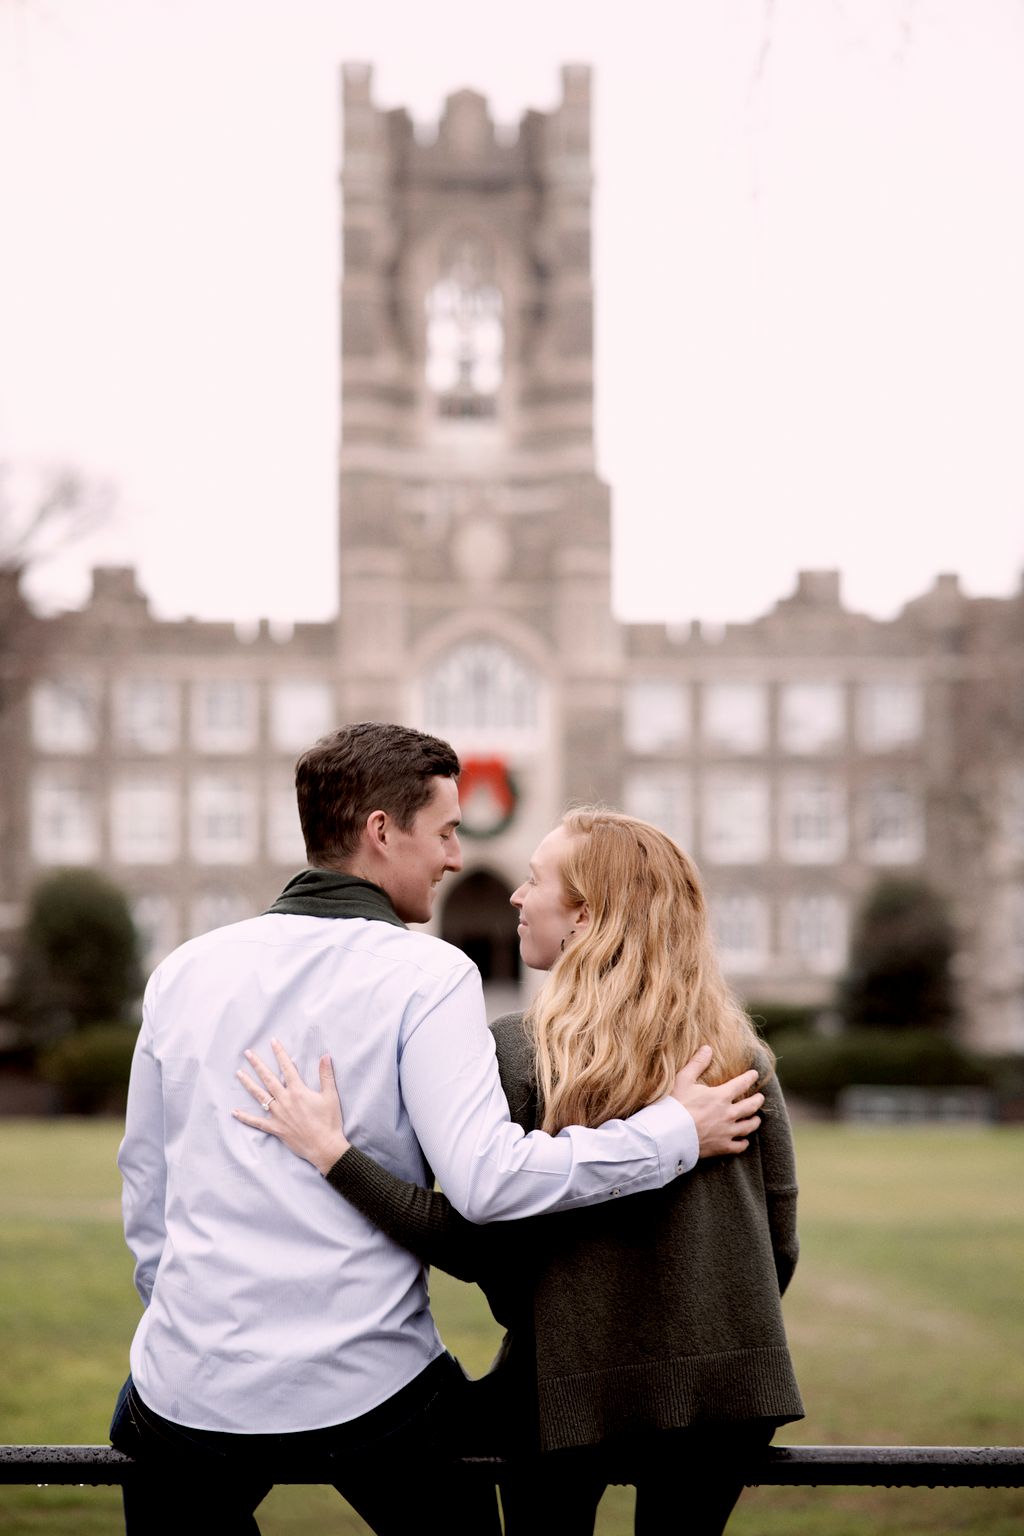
point(377, 830)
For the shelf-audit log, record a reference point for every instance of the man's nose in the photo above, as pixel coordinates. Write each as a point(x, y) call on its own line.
point(454, 859)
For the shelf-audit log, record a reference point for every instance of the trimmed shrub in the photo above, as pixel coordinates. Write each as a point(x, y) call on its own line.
point(90, 1069)
point(814, 1068)
point(1006, 1079)
point(900, 970)
point(773, 1019)
point(78, 961)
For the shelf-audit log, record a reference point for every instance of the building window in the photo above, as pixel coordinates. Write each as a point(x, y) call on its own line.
point(224, 715)
point(465, 333)
point(216, 909)
point(1011, 800)
point(657, 715)
point(145, 827)
point(147, 714)
point(740, 924)
point(735, 716)
point(65, 820)
point(284, 833)
point(481, 690)
point(1013, 1025)
point(815, 932)
point(155, 919)
point(65, 714)
point(223, 819)
point(1012, 922)
point(300, 713)
point(889, 715)
point(734, 825)
point(664, 799)
point(811, 716)
point(893, 824)
point(812, 820)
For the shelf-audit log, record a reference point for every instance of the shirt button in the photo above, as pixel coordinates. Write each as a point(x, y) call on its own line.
point(680, 1166)
point(616, 1191)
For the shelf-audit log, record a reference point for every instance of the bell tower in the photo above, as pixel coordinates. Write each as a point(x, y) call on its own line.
point(475, 533)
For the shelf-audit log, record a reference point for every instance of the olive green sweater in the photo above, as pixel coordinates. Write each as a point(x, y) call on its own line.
point(656, 1311)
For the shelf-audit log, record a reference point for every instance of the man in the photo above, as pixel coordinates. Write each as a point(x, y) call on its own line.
point(279, 1324)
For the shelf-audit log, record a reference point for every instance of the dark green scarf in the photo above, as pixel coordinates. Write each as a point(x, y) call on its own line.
point(326, 893)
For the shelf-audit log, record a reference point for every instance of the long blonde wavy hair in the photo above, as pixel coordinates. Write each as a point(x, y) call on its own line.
point(638, 989)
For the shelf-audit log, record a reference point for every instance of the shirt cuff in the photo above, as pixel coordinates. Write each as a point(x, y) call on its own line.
point(671, 1128)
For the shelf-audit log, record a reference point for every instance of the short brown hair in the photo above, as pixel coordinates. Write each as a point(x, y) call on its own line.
point(363, 768)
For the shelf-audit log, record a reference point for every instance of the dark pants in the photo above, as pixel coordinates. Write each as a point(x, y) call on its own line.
point(687, 1480)
point(395, 1465)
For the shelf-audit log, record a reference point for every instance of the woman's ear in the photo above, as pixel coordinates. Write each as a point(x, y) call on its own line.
point(581, 918)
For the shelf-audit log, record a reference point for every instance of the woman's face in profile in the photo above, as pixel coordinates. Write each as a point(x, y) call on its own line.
point(545, 916)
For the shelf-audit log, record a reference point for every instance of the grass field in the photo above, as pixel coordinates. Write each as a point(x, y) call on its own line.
point(905, 1317)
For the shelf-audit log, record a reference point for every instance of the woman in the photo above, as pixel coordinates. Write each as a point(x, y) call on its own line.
point(645, 1335)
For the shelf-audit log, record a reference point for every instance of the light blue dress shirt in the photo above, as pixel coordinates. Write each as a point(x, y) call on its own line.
point(270, 1304)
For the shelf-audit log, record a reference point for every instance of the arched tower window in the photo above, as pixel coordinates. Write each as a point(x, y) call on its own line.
point(465, 332)
point(478, 689)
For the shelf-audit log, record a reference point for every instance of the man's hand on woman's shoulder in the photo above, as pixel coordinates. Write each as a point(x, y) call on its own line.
point(724, 1116)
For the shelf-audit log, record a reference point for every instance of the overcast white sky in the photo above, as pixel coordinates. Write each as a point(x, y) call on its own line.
point(809, 256)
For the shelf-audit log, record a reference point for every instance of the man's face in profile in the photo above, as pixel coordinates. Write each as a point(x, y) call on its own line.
point(425, 853)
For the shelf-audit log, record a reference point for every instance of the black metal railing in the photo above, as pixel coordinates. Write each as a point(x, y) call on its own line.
point(798, 1466)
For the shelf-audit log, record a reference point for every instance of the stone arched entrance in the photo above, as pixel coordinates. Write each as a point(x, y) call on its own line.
point(478, 919)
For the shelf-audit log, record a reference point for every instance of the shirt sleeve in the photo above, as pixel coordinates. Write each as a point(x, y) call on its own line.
point(489, 1168)
point(141, 1158)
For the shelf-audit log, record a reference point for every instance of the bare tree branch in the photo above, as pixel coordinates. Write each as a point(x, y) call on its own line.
point(764, 48)
point(43, 511)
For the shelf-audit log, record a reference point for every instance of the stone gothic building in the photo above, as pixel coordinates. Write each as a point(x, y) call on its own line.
point(799, 757)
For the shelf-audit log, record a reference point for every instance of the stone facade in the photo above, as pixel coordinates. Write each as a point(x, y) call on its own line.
point(799, 756)
point(817, 750)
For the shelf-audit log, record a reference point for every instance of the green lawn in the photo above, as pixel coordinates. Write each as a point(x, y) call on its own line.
point(905, 1319)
